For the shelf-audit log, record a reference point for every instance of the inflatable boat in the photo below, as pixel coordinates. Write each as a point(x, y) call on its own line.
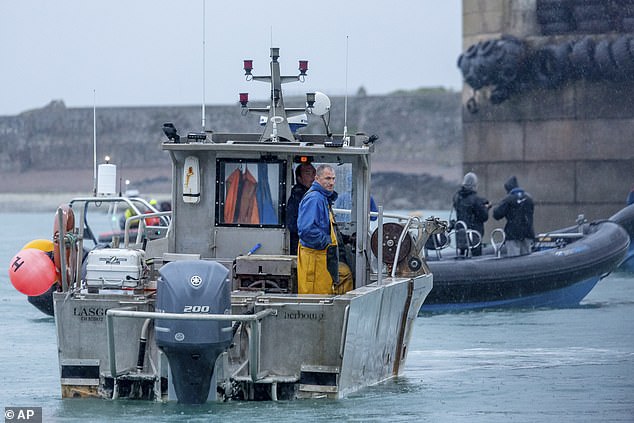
point(625, 218)
point(562, 269)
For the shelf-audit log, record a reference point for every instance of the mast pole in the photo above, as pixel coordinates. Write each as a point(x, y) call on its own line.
point(203, 93)
point(345, 102)
point(94, 141)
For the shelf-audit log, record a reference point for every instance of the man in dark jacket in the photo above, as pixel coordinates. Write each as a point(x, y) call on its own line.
point(517, 207)
point(304, 177)
point(471, 209)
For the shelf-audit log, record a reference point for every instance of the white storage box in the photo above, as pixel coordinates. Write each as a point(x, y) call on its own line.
point(115, 268)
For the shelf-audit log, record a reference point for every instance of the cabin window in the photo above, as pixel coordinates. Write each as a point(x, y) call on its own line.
point(250, 192)
point(344, 191)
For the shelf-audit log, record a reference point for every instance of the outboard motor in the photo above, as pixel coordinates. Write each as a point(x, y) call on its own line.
point(192, 346)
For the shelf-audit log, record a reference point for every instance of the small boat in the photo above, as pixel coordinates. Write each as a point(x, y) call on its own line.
point(625, 218)
point(562, 269)
point(190, 313)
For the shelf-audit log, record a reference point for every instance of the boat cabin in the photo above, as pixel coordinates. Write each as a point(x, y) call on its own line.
point(230, 190)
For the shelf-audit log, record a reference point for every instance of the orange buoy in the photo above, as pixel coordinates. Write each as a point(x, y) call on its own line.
point(45, 245)
point(32, 272)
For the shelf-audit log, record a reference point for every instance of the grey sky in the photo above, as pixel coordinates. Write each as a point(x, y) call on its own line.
point(149, 52)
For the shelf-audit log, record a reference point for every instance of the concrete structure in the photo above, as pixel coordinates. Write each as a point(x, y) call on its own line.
point(572, 147)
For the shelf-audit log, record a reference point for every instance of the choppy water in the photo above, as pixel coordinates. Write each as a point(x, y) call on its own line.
point(552, 365)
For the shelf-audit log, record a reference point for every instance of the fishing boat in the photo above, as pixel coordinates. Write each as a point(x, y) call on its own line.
point(561, 270)
point(625, 218)
point(205, 307)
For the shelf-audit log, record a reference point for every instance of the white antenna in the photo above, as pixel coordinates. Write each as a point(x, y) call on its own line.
point(203, 106)
point(345, 101)
point(94, 140)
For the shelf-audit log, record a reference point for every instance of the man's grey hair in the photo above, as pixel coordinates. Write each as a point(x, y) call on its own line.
point(322, 167)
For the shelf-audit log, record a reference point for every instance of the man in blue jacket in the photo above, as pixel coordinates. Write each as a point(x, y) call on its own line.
point(517, 207)
point(318, 268)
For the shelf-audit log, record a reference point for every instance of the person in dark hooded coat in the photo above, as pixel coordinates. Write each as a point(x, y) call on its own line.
point(517, 207)
point(304, 177)
point(471, 209)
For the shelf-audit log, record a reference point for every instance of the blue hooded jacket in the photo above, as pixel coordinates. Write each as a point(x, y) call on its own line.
point(313, 221)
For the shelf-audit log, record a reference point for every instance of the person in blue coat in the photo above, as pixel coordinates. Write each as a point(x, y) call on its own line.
point(318, 268)
point(517, 207)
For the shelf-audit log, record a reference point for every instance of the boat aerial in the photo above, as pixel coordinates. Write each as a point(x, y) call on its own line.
point(561, 270)
point(204, 305)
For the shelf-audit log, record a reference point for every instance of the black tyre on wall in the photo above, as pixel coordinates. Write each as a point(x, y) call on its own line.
point(605, 62)
point(582, 64)
point(592, 17)
point(623, 56)
point(551, 65)
point(555, 16)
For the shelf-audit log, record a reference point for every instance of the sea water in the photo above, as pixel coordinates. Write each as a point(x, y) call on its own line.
point(547, 365)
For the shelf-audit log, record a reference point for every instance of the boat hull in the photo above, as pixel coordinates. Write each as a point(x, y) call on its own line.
point(557, 277)
point(311, 346)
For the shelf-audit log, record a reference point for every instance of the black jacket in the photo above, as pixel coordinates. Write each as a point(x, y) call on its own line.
point(517, 207)
point(292, 209)
point(471, 209)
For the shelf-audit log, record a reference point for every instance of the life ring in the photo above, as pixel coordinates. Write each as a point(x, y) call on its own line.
point(68, 223)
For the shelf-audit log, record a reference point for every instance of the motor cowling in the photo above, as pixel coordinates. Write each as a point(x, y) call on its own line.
point(192, 346)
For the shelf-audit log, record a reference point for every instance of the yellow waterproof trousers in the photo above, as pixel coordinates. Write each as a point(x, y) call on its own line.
point(313, 275)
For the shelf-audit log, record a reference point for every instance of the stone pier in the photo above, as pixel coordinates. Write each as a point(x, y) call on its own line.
point(571, 148)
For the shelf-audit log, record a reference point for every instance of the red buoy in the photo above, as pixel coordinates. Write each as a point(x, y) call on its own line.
point(32, 272)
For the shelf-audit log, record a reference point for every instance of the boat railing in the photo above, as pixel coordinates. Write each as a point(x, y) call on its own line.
point(254, 321)
point(472, 238)
point(497, 246)
point(143, 227)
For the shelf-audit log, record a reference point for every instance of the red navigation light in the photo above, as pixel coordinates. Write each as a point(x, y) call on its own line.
point(244, 99)
point(303, 67)
point(248, 67)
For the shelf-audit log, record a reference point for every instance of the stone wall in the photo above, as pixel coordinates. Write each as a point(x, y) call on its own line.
point(51, 149)
point(571, 147)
